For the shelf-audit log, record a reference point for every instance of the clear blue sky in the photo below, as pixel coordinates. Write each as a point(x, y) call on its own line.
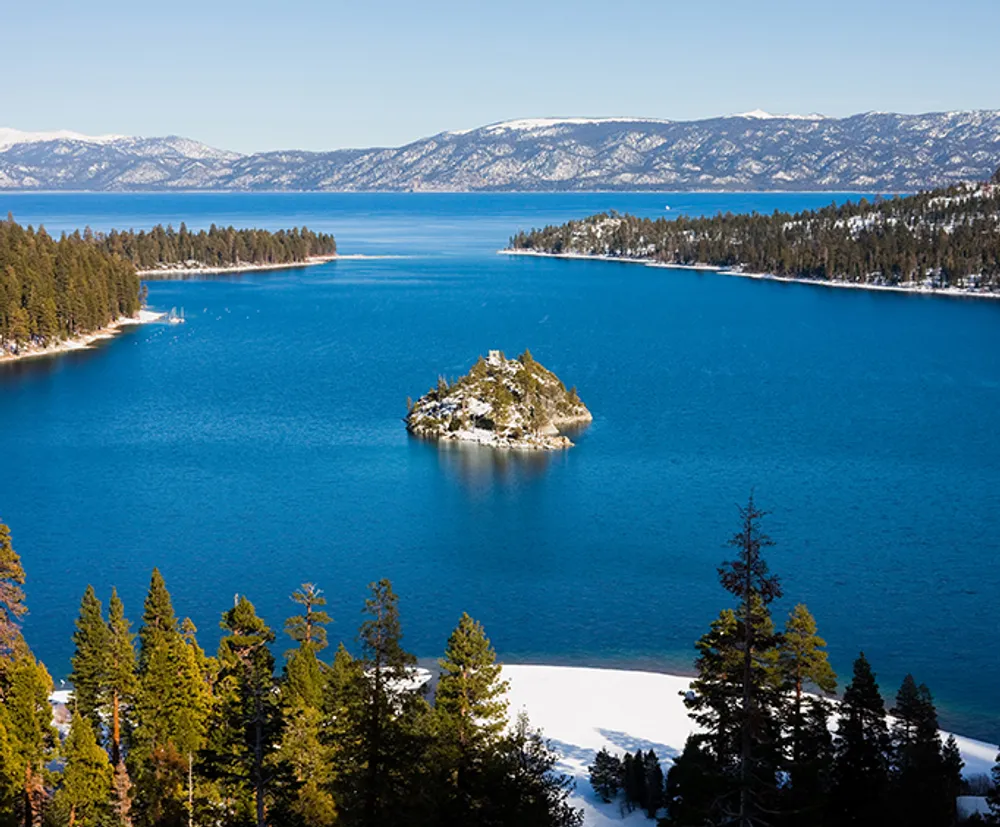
point(324, 74)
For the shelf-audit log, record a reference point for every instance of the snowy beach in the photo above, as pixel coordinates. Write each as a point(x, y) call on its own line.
point(85, 341)
point(192, 268)
point(581, 710)
point(955, 292)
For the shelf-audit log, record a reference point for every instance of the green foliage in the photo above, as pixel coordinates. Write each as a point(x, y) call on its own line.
point(89, 661)
point(12, 607)
point(606, 775)
point(87, 776)
point(947, 236)
point(55, 289)
point(308, 629)
point(120, 677)
point(215, 247)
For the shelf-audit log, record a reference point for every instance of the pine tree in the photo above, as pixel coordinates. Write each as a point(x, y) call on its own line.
point(378, 746)
point(606, 775)
point(121, 677)
point(470, 704)
point(695, 786)
point(748, 579)
point(89, 660)
point(923, 792)
point(653, 783)
point(121, 797)
point(861, 771)
point(12, 607)
point(87, 776)
point(248, 724)
point(172, 704)
point(308, 629)
point(30, 734)
point(525, 788)
point(803, 662)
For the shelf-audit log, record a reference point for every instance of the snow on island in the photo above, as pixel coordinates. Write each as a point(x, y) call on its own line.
point(503, 403)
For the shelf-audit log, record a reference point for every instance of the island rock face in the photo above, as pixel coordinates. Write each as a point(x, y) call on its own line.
point(504, 403)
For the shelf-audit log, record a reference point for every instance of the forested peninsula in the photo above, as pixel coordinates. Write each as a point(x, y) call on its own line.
point(65, 292)
point(942, 240)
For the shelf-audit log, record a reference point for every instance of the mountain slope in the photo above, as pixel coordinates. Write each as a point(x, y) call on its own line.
point(752, 151)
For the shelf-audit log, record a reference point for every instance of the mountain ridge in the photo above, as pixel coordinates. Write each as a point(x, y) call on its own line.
point(872, 151)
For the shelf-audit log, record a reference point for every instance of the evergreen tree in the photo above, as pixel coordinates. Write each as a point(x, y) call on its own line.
point(526, 790)
point(695, 787)
point(248, 723)
point(748, 579)
point(308, 629)
point(87, 776)
point(606, 775)
point(653, 783)
point(121, 678)
point(471, 709)
point(12, 607)
point(861, 771)
point(121, 797)
point(172, 705)
point(30, 734)
point(923, 793)
point(379, 745)
point(803, 661)
point(89, 660)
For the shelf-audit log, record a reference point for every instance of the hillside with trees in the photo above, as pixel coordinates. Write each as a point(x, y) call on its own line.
point(162, 734)
point(947, 238)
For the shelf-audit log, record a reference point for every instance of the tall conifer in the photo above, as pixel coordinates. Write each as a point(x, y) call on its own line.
point(90, 659)
point(861, 769)
point(12, 607)
point(121, 677)
point(87, 776)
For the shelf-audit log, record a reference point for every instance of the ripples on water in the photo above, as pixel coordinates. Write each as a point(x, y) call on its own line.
point(261, 444)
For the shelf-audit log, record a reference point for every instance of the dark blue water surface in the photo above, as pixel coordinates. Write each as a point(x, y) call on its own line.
point(261, 444)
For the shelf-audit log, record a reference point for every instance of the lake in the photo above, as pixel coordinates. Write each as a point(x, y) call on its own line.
point(261, 445)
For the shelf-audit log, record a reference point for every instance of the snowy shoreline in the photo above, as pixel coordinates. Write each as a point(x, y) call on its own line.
point(584, 709)
point(953, 292)
point(184, 269)
point(86, 340)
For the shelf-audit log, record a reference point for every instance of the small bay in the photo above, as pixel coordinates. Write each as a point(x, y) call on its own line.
point(260, 444)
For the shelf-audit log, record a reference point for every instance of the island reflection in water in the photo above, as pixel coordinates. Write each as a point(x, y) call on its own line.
point(481, 467)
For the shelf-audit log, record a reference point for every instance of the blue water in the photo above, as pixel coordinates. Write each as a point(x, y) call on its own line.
point(260, 444)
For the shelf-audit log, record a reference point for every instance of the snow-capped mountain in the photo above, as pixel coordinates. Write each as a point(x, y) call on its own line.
point(749, 151)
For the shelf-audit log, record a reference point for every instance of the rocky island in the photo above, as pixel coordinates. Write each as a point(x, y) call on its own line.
point(503, 403)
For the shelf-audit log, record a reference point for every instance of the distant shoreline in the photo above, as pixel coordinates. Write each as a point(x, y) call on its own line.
point(84, 341)
point(171, 271)
point(951, 292)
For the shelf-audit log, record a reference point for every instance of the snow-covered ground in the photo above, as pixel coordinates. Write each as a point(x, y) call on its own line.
point(580, 710)
point(85, 341)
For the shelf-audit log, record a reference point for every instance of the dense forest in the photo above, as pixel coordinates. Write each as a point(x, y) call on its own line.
point(164, 735)
point(943, 238)
point(160, 734)
point(55, 289)
point(52, 290)
point(215, 247)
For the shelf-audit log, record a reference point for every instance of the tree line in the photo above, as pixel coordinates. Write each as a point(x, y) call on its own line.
point(215, 247)
point(55, 289)
point(771, 746)
point(164, 735)
point(941, 238)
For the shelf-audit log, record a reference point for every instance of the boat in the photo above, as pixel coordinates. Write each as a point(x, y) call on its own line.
point(173, 318)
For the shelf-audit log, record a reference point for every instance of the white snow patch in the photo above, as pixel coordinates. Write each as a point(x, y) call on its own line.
point(544, 123)
point(761, 115)
point(580, 710)
point(10, 137)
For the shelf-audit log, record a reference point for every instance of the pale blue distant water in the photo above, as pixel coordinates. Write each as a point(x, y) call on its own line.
point(261, 444)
